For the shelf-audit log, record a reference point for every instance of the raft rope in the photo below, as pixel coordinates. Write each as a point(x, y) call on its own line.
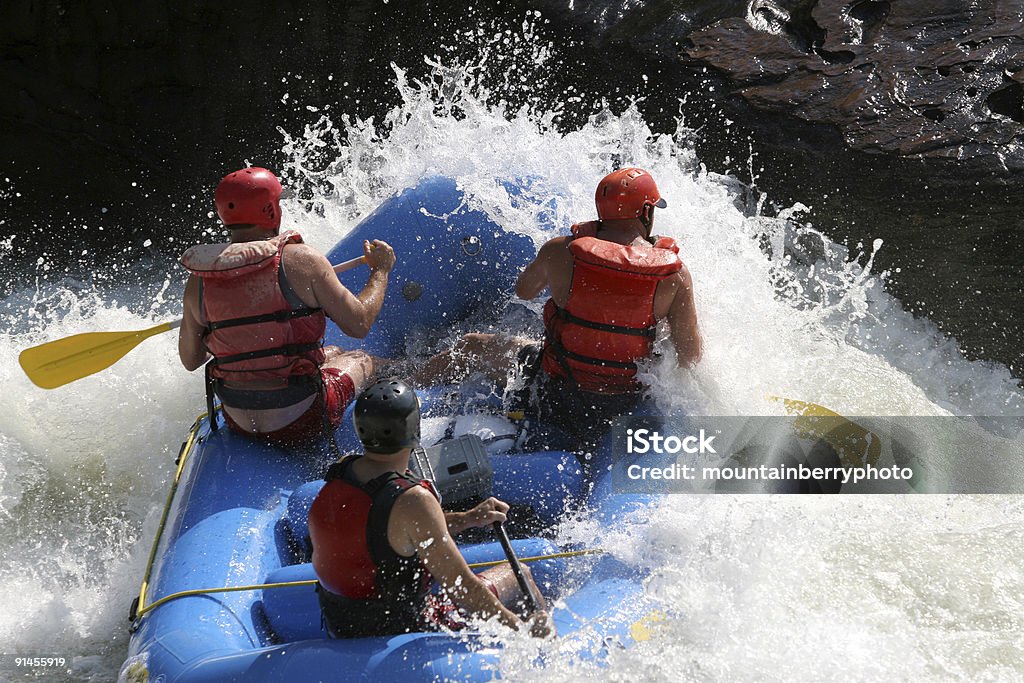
point(312, 582)
point(140, 608)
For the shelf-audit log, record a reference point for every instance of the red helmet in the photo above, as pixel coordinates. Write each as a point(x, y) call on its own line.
point(250, 196)
point(624, 194)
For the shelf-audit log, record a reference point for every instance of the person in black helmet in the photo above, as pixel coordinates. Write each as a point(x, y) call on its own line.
point(380, 537)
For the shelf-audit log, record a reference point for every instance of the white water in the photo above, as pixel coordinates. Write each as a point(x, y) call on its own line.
point(758, 587)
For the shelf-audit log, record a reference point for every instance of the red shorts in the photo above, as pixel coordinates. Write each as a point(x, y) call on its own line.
point(339, 390)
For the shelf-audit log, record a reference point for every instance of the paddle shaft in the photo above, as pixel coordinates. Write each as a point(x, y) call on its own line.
point(517, 568)
point(350, 264)
point(340, 268)
point(65, 360)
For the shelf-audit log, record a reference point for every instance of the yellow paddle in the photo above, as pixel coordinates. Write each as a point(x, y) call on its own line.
point(855, 445)
point(56, 363)
point(66, 360)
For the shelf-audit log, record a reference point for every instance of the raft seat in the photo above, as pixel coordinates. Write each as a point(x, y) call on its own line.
point(293, 612)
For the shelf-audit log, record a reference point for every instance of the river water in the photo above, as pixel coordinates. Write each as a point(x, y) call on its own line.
point(753, 588)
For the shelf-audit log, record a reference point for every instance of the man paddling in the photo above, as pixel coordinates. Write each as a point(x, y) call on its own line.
point(380, 537)
point(256, 308)
point(610, 284)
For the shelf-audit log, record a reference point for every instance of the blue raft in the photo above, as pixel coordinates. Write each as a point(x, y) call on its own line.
point(236, 516)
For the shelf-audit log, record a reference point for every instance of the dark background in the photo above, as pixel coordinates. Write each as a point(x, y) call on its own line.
point(139, 108)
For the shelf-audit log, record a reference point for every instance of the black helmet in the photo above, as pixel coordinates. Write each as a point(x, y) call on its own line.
point(387, 417)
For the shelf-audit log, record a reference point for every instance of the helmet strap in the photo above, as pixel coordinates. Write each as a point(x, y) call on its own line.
point(647, 217)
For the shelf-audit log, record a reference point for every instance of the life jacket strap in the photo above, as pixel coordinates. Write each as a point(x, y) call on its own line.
point(211, 384)
point(650, 332)
point(342, 470)
point(298, 388)
point(286, 350)
point(590, 360)
point(278, 317)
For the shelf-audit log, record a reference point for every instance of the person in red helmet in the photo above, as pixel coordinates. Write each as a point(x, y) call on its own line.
point(610, 282)
point(255, 312)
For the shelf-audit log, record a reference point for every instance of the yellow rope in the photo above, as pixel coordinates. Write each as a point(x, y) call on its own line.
point(229, 589)
point(310, 582)
point(538, 558)
point(186, 449)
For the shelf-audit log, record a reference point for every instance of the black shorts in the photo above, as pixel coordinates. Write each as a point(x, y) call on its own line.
point(567, 418)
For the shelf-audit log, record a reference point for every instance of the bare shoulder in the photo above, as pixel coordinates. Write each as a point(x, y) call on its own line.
point(190, 299)
point(417, 502)
point(306, 267)
point(303, 258)
point(554, 248)
point(677, 281)
point(674, 293)
point(559, 242)
point(683, 276)
point(415, 517)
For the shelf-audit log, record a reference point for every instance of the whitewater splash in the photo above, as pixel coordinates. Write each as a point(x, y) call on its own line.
point(752, 587)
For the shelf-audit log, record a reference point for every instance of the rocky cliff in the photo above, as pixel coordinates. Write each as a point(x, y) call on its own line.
point(934, 79)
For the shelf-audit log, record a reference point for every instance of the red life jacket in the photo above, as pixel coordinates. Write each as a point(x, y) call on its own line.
point(266, 343)
point(366, 588)
point(608, 321)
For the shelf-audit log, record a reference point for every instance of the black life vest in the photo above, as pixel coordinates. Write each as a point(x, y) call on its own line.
point(365, 587)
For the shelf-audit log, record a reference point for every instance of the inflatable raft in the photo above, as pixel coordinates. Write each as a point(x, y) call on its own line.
point(212, 606)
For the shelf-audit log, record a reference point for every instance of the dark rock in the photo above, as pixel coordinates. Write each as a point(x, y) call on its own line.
point(911, 78)
point(938, 79)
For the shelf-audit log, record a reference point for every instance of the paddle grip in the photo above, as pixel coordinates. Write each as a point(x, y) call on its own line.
point(517, 569)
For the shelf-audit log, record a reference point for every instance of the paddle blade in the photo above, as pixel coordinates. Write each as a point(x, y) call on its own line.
point(798, 407)
point(855, 445)
point(61, 361)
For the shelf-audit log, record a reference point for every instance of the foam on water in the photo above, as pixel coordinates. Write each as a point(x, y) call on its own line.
point(752, 587)
point(80, 470)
